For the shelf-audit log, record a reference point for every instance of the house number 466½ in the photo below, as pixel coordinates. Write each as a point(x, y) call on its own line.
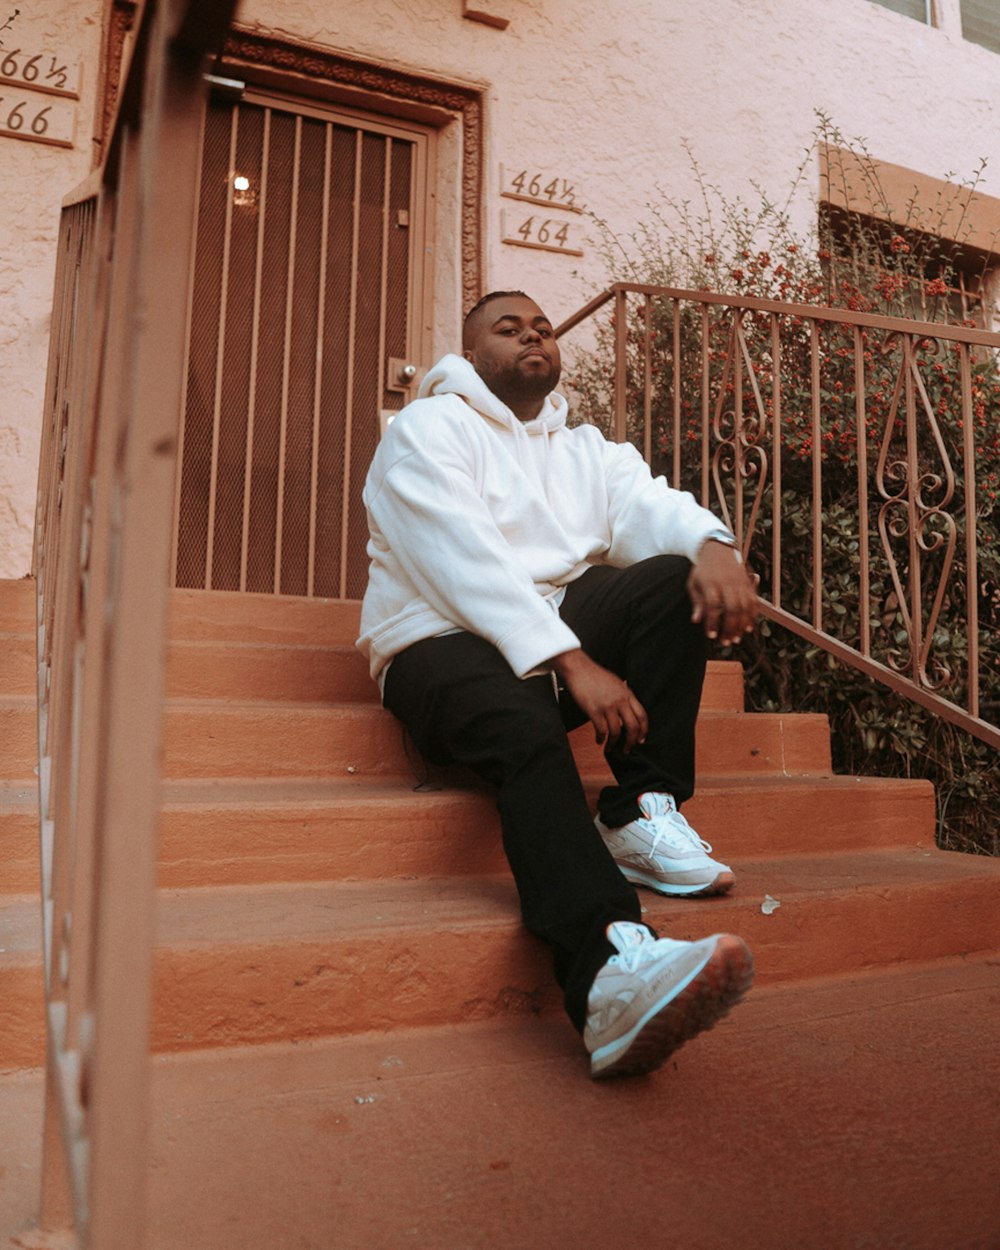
point(32, 71)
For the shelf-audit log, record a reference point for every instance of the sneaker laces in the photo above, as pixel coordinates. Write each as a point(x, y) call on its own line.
point(665, 820)
point(631, 941)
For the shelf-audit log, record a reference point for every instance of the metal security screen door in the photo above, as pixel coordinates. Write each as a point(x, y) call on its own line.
point(307, 301)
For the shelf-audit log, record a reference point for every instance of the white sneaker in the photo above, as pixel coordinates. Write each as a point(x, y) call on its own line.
point(656, 993)
point(659, 849)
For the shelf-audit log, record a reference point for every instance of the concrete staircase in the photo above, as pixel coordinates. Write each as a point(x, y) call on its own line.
point(326, 926)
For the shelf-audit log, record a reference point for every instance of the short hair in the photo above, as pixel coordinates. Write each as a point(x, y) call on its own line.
point(480, 304)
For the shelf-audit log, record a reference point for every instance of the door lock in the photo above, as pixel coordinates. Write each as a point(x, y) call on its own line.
point(401, 375)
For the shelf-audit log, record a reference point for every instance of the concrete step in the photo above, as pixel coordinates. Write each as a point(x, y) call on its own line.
point(486, 1131)
point(218, 615)
point(207, 738)
point(17, 606)
point(250, 831)
point(493, 1134)
point(249, 965)
point(19, 851)
point(222, 642)
point(333, 673)
point(18, 737)
point(268, 671)
point(17, 664)
point(22, 982)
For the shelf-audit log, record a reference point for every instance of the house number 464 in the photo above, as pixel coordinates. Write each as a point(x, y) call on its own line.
point(544, 230)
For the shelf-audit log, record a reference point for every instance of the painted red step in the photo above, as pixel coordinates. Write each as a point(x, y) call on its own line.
point(19, 852)
point(18, 736)
point(22, 992)
point(258, 964)
point(239, 831)
point(17, 664)
point(316, 672)
point(268, 671)
point(853, 1113)
point(17, 606)
point(261, 964)
point(221, 615)
point(207, 739)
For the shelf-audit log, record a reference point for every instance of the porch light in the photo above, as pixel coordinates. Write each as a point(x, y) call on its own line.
point(243, 193)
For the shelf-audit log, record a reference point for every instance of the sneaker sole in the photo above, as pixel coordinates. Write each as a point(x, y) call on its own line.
point(708, 997)
point(720, 884)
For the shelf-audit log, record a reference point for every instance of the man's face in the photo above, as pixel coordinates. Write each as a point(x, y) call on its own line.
point(511, 346)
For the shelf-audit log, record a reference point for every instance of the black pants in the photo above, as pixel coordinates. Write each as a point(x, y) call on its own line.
point(462, 703)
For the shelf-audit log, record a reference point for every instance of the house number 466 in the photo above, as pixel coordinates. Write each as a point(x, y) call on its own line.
point(22, 117)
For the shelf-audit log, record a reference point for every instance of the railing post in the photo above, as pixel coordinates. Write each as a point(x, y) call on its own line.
point(860, 417)
point(621, 365)
point(971, 546)
point(104, 548)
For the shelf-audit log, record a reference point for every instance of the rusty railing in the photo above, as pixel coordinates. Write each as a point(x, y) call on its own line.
point(853, 456)
point(103, 541)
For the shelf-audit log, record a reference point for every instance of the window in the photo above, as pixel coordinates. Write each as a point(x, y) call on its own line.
point(920, 9)
point(936, 279)
point(883, 220)
point(981, 23)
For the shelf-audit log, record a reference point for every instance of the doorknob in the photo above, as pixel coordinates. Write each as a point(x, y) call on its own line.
point(401, 375)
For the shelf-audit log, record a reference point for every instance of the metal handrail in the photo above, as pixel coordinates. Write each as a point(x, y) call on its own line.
point(103, 533)
point(762, 408)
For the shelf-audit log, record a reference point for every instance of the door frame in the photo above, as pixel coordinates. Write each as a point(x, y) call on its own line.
point(304, 70)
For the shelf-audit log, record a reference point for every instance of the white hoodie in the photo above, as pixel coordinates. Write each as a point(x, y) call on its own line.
point(479, 520)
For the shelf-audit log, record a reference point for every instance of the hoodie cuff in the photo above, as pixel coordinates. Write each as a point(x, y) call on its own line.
point(529, 648)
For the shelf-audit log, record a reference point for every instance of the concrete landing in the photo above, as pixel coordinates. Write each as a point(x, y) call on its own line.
point(852, 1114)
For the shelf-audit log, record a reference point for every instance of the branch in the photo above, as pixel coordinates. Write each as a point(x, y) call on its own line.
point(8, 24)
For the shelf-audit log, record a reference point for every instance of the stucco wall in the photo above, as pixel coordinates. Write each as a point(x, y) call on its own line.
point(33, 179)
point(606, 94)
point(600, 94)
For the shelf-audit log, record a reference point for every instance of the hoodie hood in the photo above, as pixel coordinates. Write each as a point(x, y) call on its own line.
point(454, 375)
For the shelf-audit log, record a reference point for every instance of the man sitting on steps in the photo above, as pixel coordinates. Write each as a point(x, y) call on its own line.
point(525, 578)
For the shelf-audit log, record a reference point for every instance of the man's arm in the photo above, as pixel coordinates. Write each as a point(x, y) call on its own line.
point(723, 597)
point(647, 517)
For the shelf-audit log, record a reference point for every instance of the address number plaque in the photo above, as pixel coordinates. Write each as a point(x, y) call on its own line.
point(543, 225)
point(38, 91)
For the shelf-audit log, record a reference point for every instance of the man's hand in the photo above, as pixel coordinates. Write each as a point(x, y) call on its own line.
point(722, 592)
point(613, 710)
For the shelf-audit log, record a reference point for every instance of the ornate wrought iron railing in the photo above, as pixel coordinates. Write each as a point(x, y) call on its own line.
point(853, 456)
point(104, 527)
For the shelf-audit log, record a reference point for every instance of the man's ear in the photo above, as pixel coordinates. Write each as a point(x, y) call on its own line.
point(468, 355)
